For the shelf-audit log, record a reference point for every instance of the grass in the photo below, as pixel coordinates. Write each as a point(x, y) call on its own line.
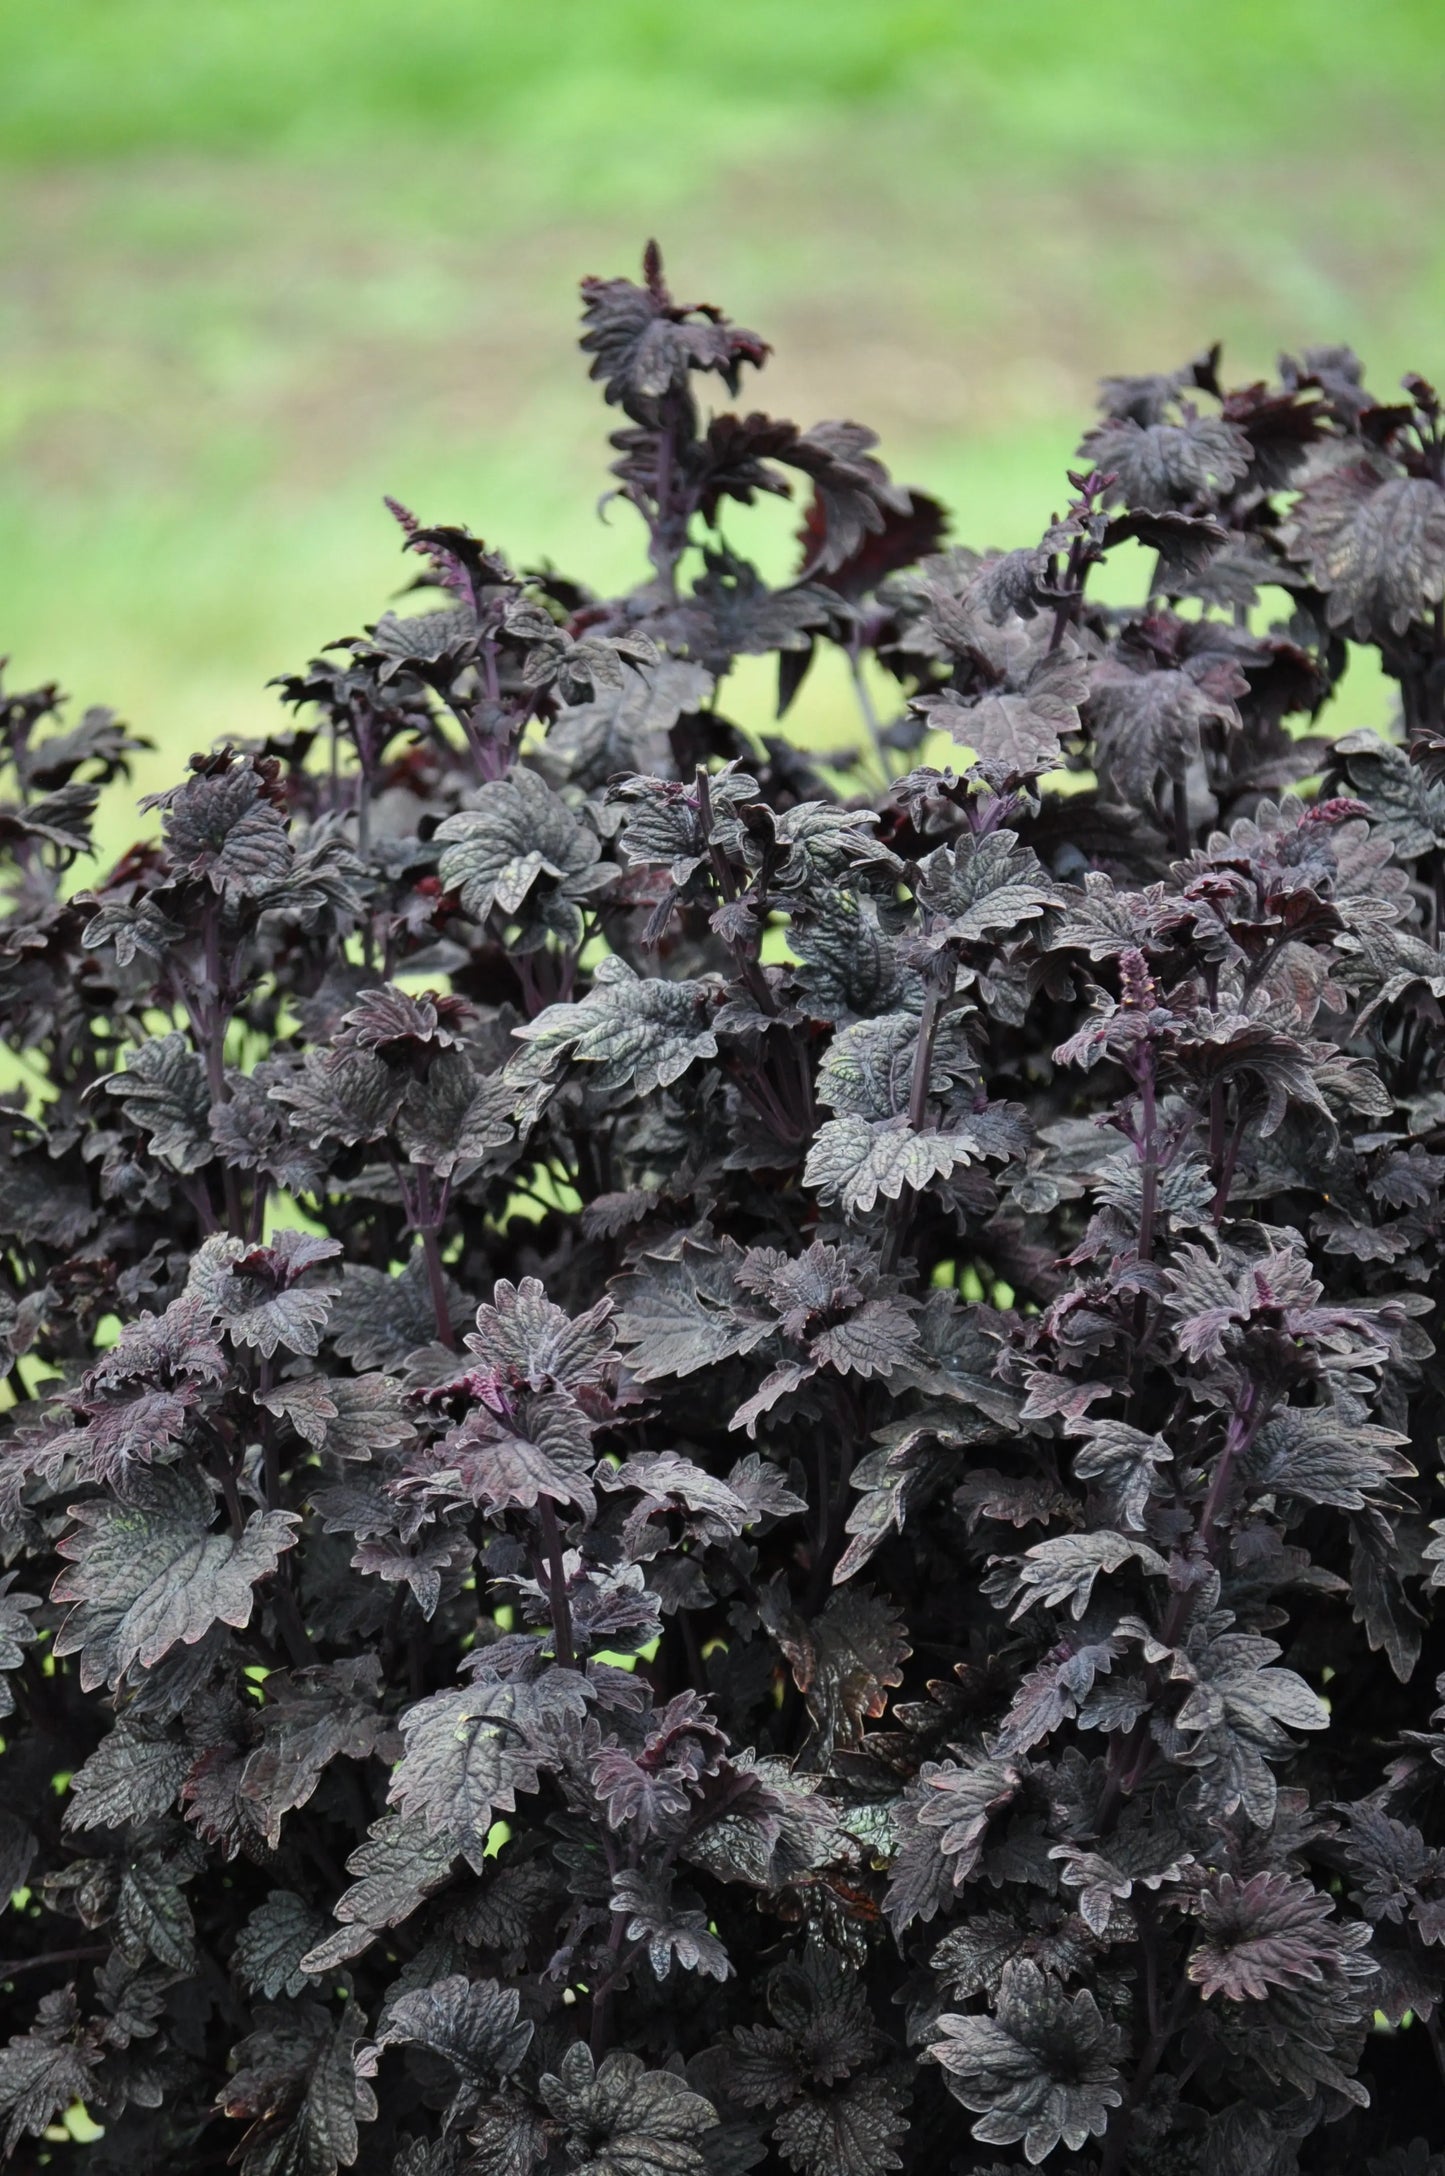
point(549, 83)
point(266, 259)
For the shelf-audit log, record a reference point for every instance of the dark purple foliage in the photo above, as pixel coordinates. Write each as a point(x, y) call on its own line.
point(725, 1459)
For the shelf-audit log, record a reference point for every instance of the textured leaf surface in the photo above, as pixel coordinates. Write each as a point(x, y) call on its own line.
point(639, 1035)
point(148, 1572)
point(44, 2069)
point(852, 1161)
point(272, 1943)
point(1374, 541)
point(129, 1777)
point(627, 2120)
point(469, 1752)
point(1041, 2069)
point(297, 2085)
point(472, 2023)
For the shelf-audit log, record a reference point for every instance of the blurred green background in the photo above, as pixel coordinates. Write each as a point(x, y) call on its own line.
point(262, 260)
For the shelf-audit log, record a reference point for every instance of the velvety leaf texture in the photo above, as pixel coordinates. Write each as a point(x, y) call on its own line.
point(725, 1457)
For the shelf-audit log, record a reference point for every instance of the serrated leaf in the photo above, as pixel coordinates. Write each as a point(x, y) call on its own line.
point(541, 1447)
point(983, 889)
point(1374, 542)
point(665, 1478)
point(221, 827)
point(1160, 465)
point(16, 1634)
point(1016, 732)
point(378, 1321)
point(643, 344)
point(1126, 1463)
point(1042, 2069)
point(621, 2119)
point(1063, 1569)
point(270, 1946)
point(854, 1160)
point(638, 1034)
point(1147, 725)
point(677, 1310)
point(519, 852)
point(296, 2083)
point(400, 1863)
point(1315, 1455)
point(849, 966)
point(845, 1661)
point(625, 728)
point(1056, 1691)
point(1237, 1713)
point(343, 1096)
point(669, 1931)
point(524, 1334)
point(130, 1777)
point(1268, 1931)
point(650, 1789)
point(473, 2024)
point(152, 1917)
point(867, 1069)
point(163, 1090)
point(258, 1294)
point(944, 1826)
point(347, 1416)
point(849, 2132)
point(121, 1432)
point(733, 613)
point(43, 2070)
point(310, 1718)
point(147, 1573)
point(454, 1118)
point(469, 1752)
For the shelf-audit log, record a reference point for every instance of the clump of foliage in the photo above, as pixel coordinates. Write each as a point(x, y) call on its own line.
point(708, 1449)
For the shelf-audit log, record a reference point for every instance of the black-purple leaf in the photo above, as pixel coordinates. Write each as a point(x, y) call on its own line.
point(1374, 541)
point(845, 1661)
point(469, 1752)
point(853, 1160)
point(296, 2083)
point(46, 2068)
point(146, 1572)
point(849, 2132)
point(131, 1776)
point(16, 1634)
point(350, 1416)
point(163, 1091)
point(983, 890)
point(473, 2024)
point(1043, 2069)
point(1159, 465)
point(1016, 732)
point(643, 344)
point(379, 1321)
point(669, 1931)
point(223, 827)
point(521, 854)
point(267, 1297)
point(677, 1310)
point(524, 1335)
point(269, 1948)
point(634, 1034)
point(617, 2118)
point(1268, 1931)
point(541, 1446)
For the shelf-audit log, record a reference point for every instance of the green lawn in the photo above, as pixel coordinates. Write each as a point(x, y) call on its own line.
point(262, 260)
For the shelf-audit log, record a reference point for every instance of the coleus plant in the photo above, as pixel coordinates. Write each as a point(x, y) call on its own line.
point(725, 1458)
